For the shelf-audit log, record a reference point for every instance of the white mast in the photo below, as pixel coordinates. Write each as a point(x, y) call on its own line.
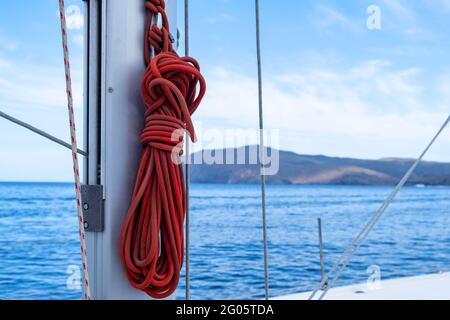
point(113, 122)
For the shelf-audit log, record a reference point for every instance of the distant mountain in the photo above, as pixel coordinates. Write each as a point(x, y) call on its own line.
point(310, 169)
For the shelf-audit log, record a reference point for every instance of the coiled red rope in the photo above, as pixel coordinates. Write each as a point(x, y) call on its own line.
point(152, 237)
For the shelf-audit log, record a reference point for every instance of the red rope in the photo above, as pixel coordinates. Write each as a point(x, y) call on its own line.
point(152, 237)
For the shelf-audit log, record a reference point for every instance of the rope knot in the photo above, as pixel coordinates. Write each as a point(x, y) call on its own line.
point(169, 89)
point(158, 38)
point(155, 6)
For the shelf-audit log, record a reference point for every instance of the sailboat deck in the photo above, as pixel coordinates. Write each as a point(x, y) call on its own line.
point(429, 287)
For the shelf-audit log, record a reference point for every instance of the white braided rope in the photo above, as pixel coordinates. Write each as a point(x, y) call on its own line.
point(76, 171)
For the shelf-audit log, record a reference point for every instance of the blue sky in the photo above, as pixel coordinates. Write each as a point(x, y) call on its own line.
point(332, 86)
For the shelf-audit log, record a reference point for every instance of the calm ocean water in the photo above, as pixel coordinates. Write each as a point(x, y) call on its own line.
point(39, 239)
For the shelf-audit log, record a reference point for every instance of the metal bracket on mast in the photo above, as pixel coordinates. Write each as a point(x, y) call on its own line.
point(93, 208)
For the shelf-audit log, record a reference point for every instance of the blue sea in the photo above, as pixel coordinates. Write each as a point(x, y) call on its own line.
point(39, 239)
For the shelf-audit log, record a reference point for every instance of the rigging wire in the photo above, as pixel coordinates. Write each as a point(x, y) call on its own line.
point(40, 132)
point(186, 169)
point(73, 133)
point(353, 247)
point(262, 149)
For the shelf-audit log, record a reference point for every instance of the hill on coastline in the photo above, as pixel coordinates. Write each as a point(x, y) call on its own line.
point(315, 169)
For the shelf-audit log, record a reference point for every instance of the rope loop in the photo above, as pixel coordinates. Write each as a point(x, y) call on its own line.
point(158, 38)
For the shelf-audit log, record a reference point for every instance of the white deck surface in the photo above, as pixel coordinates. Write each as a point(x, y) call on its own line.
point(430, 287)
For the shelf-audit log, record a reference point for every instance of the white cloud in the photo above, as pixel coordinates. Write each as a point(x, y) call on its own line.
point(399, 8)
point(79, 40)
point(35, 93)
point(8, 45)
point(370, 110)
point(219, 18)
point(445, 4)
point(4, 64)
point(329, 17)
point(28, 84)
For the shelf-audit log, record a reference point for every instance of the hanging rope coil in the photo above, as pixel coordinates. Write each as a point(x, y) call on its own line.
point(152, 237)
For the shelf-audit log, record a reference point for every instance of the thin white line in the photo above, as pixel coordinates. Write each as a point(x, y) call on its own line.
point(76, 171)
